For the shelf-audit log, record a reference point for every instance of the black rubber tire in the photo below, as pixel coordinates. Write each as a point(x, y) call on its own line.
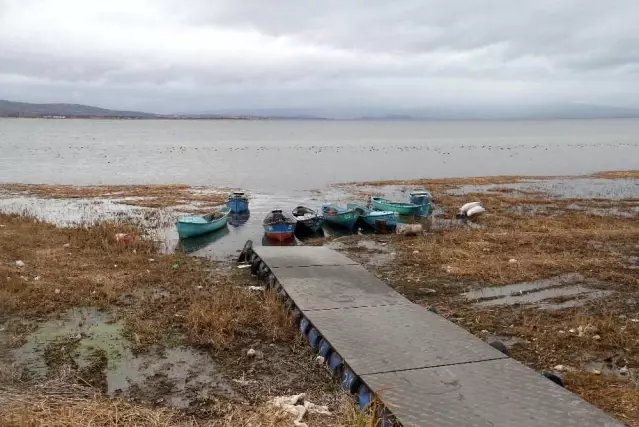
point(263, 272)
point(498, 345)
point(255, 265)
point(554, 377)
point(271, 281)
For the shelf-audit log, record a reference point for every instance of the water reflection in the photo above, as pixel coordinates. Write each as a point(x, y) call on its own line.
point(196, 243)
point(272, 242)
point(239, 219)
point(305, 233)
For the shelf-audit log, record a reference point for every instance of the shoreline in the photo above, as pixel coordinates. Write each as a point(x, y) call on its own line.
point(550, 270)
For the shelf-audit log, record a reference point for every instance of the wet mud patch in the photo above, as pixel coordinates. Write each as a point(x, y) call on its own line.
point(567, 290)
point(89, 345)
point(370, 251)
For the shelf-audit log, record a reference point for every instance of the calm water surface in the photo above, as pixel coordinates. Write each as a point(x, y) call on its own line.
point(285, 156)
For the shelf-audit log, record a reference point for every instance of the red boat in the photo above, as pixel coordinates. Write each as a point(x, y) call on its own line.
point(278, 226)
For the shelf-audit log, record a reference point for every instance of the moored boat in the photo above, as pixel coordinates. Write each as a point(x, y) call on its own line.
point(378, 220)
point(195, 225)
point(308, 221)
point(422, 198)
point(238, 202)
point(381, 204)
point(279, 226)
point(346, 218)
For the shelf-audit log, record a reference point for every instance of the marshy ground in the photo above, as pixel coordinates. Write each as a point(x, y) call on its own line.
point(120, 332)
point(551, 270)
point(104, 330)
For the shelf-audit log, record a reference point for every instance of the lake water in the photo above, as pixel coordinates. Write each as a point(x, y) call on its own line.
point(280, 156)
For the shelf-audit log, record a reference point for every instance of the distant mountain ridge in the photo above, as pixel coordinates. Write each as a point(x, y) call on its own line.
point(25, 109)
point(442, 112)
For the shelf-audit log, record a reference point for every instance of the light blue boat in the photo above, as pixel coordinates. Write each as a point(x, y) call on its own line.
point(424, 199)
point(346, 218)
point(238, 202)
point(409, 209)
point(378, 220)
point(194, 225)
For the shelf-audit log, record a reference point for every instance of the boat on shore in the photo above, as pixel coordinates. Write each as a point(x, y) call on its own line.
point(345, 218)
point(238, 202)
point(380, 221)
point(195, 225)
point(381, 204)
point(279, 226)
point(308, 221)
point(422, 198)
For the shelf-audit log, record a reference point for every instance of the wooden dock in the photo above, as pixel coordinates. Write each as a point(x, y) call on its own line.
point(425, 370)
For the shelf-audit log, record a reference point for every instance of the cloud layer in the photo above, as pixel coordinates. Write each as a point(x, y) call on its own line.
point(225, 55)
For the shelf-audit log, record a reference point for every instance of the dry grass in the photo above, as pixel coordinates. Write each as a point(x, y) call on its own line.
point(230, 312)
point(614, 395)
point(546, 238)
point(164, 300)
point(542, 247)
point(66, 405)
point(437, 184)
point(155, 292)
point(617, 174)
point(151, 196)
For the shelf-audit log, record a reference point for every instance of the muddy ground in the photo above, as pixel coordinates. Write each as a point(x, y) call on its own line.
point(101, 326)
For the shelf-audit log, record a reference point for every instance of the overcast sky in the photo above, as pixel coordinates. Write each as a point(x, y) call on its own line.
point(216, 55)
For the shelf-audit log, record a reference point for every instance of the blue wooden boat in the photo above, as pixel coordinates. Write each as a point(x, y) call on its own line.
point(346, 218)
point(194, 225)
point(424, 199)
point(381, 204)
point(308, 221)
point(238, 202)
point(378, 220)
point(279, 226)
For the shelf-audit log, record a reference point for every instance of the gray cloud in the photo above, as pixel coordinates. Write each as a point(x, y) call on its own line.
point(204, 55)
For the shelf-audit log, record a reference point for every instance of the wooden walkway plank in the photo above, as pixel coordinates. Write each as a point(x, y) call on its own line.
point(426, 370)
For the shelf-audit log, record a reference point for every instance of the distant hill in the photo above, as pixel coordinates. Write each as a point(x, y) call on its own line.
point(25, 109)
point(440, 112)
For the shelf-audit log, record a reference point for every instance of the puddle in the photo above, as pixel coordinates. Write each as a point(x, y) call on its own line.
point(370, 253)
point(178, 375)
point(590, 295)
point(614, 189)
point(632, 212)
point(568, 286)
point(538, 296)
point(606, 368)
point(90, 328)
point(525, 287)
point(72, 212)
